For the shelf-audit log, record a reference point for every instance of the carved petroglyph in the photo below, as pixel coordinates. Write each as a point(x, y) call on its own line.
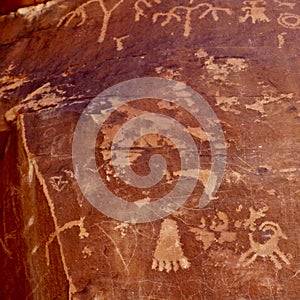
point(86, 252)
point(176, 14)
point(291, 5)
point(58, 183)
point(217, 231)
point(281, 40)
point(288, 20)
point(226, 103)
point(259, 105)
point(220, 70)
point(268, 249)
point(256, 13)
point(254, 216)
point(21, 125)
point(80, 13)
point(122, 228)
point(119, 42)
point(140, 11)
point(168, 254)
point(82, 234)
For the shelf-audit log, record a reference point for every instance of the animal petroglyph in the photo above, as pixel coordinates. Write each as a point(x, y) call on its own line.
point(168, 254)
point(256, 13)
point(288, 20)
point(176, 14)
point(140, 11)
point(80, 12)
point(268, 249)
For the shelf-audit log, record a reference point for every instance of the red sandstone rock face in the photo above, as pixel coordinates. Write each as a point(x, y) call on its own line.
point(243, 58)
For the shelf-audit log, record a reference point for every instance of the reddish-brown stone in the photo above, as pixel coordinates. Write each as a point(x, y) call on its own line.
point(243, 58)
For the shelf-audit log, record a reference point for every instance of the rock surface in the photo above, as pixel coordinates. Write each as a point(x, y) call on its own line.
point(243, 58)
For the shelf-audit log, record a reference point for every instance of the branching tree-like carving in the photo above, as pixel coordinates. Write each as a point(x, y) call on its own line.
point(80, 13)
point(174, 13)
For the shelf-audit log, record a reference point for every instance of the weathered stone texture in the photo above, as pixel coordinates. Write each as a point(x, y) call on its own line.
point(243, 58)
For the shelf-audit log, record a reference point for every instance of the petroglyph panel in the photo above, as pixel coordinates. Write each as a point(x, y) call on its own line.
point(242, 57)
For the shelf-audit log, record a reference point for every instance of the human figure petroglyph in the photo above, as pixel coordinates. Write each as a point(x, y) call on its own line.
point(268, 249)
point(175, 13)
point(256, 13)
point(80, 12)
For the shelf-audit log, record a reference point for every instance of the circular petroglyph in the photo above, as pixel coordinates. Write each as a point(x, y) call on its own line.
point(162, 124)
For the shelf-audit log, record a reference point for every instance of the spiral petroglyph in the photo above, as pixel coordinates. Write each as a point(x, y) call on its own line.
point(110, 172)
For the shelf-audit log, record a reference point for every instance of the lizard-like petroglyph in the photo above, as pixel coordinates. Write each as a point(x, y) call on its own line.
point(168, 254)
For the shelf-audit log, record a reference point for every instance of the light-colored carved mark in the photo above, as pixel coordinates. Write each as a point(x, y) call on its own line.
point(58, 183)
point(168, 254)
point(219, 226)
point(281, 39)
point(123, 228)
point(288, 20)
point(268, 249)
point(282, 3)
point(201, 53)
point(80, 13)
point(203, 235)
point(175, 13)
point(267, 99)
point(226, 103)
point(119, 42)
point(86, 251)
point(220, 70)
point(82, 234)
point(30, 156)
point(256, 13)
point(254, 216)
point(140, 11)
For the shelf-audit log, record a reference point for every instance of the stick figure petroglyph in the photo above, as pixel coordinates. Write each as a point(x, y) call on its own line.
point(175, 13)
point(268, 249)
point(80, 12)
